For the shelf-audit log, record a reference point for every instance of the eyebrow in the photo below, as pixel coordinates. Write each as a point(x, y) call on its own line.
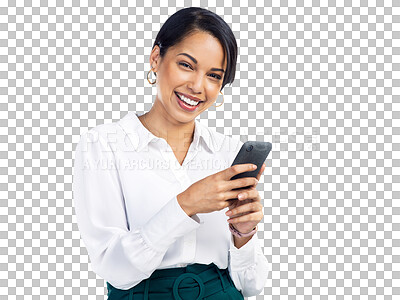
point(195, 61)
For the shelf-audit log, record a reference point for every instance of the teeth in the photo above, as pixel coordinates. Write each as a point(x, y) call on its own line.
point(187, 100)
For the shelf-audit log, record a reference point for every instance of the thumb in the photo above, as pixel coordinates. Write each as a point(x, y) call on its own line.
point(237, 169)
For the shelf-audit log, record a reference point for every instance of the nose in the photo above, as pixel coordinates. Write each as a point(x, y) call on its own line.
point(196, 83)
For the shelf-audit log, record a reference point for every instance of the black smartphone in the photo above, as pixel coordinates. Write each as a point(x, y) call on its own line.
point(252, 152)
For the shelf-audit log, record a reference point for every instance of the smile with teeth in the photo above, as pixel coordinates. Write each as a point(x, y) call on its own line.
point(187, 100)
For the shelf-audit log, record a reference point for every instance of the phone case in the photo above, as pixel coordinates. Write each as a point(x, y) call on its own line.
point(252, 152)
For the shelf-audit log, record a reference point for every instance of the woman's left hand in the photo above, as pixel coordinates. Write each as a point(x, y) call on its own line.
point(247, 213)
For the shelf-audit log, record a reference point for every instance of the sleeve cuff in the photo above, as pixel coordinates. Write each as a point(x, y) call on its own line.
point(245, 256)
point(167, 225)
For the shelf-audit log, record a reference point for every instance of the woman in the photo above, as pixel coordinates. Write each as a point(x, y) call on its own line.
point(150, 191)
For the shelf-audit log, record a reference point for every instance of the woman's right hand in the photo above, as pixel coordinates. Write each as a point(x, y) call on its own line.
point(212, 192)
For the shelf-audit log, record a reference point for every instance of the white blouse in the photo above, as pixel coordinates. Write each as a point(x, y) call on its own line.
point(125, 185)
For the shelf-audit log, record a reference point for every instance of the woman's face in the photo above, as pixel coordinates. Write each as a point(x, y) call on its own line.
point(194, 67)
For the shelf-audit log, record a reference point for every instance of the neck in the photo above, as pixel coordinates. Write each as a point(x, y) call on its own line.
point(163, 125)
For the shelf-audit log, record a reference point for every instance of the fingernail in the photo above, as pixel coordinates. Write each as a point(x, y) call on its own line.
point(241, 196)
point(254, 167)
point(228, 213)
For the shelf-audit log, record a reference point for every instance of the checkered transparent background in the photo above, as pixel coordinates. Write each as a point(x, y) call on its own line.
point(318, 79)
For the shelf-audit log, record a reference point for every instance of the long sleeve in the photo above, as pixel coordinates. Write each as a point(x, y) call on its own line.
point(248, 267)
point(121, 255)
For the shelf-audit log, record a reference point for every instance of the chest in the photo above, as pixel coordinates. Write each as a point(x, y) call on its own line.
point(180, 151)
point(150, 179)
point(180, 155)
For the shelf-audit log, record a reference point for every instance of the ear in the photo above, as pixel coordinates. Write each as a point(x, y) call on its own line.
point(155, 58)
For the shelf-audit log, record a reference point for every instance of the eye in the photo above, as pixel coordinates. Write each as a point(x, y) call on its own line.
point(184, 64)
point(217, 76)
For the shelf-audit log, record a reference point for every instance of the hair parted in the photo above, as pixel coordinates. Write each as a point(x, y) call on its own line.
point(190, 20)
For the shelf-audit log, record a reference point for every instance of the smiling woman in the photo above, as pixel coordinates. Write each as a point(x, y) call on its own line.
point(193, 57)
point(149, 230)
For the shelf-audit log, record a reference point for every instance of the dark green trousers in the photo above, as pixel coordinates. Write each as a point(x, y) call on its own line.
point(194, 282)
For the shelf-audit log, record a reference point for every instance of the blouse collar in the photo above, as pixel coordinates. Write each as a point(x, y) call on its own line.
point(140, 137)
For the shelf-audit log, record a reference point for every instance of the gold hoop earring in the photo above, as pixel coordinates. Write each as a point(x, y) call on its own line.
point(149, 79)
point(222, 100)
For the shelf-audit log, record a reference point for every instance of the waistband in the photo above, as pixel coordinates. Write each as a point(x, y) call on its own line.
point(180, 283)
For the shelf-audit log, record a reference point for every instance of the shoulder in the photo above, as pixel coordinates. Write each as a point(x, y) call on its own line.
point(102, 135)
point(102, 131)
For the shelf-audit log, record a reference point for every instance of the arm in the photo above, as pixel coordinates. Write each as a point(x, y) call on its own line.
point(248, 266)
point(121, 256)
point(239, 242)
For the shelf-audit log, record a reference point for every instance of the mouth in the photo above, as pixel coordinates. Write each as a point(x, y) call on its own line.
point(187, 103)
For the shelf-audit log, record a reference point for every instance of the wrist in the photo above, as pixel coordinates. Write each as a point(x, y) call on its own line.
point(182, 202)
point(239, 234)
point(239, 242)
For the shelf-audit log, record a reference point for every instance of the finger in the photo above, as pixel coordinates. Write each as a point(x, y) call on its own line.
point(237, 169)
point(232, 203)
point(245, 208)
point(238, 203)
point(248, 193)
point(255, 216)
point(251, 195)
point(241, 183)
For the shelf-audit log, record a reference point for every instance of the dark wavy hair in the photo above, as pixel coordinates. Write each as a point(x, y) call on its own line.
point(196, 19)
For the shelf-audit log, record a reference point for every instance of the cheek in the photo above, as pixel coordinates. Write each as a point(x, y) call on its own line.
point(181, 76)
point(213, 91)
point(178, 78)
point(175, 79)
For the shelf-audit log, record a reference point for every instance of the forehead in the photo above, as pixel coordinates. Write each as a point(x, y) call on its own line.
point(205, 48)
